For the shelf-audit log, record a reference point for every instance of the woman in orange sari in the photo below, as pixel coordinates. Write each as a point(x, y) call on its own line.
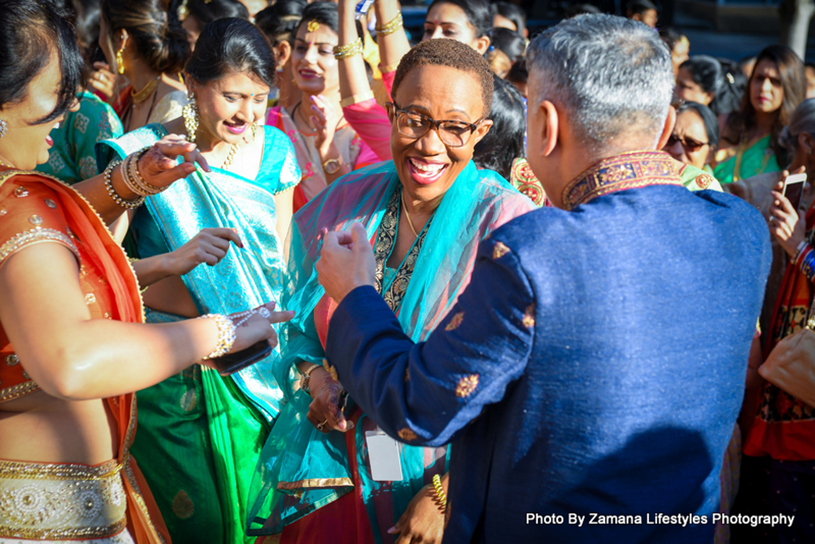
point(72, 344)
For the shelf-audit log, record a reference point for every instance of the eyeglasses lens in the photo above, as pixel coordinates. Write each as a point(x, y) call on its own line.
point(451, 133)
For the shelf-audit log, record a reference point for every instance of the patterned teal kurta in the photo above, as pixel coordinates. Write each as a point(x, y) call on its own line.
point(73, 157)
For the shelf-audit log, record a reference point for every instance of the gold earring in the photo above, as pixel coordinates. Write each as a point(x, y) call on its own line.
point(190, 114)
point(3, 127)
point(120, 61)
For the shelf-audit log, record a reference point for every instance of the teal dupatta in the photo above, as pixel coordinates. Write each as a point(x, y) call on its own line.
point(228, 418)
point(302, 469)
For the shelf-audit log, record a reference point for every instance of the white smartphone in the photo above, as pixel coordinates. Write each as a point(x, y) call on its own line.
point(794, 189)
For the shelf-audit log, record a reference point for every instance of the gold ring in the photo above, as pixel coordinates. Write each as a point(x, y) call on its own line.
point(321, 425)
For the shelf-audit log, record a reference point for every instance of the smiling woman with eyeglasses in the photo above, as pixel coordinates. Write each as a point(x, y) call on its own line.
point(695, 135)
point(425, 213)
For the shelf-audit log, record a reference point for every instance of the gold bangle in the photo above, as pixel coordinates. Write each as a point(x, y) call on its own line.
point(440, 494)
point(136, 174)
point(345, 51)
point(306, 378)
point(391, 27)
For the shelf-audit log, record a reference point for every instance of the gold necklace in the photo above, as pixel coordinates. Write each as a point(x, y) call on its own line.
point(144, 94)
point(407, 216)
point(230, 156)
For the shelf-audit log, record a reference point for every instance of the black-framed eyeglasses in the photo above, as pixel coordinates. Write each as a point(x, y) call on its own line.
point(415, 125)
point(689, 144)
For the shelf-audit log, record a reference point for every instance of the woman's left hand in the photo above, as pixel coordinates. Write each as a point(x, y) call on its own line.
point(423, 521)
point(324, 119)
point(785, 224)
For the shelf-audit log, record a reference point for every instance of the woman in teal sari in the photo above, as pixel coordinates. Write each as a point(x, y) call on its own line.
point(749, 144)
point(425, 214)
point(200, 434)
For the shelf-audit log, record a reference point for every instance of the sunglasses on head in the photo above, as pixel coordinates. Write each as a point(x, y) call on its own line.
point(689, 144)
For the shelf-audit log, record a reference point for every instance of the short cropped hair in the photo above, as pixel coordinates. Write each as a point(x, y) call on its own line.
point(610, 73)
point(452, 53)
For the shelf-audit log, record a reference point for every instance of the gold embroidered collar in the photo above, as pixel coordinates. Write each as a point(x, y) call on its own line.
point(626, 171)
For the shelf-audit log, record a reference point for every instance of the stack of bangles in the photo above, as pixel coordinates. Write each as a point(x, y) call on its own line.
point(226, 335)
point(133, 180)
point(805, 260)
point(346, 51)
point(441, 496)
point(390, 28)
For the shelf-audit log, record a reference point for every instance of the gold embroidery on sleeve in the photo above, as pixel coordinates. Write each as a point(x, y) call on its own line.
point(455, 322)
point(407, 435)
point(499, 250)
point(529, 316)
point(33, 236)
point(467, 385)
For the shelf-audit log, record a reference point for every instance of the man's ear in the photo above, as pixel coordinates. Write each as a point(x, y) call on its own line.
point(667, 129)
point(550, 127)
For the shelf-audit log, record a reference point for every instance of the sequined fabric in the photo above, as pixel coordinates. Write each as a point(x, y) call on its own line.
point(61, 501)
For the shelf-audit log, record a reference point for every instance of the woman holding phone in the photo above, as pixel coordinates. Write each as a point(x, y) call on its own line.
point(758, 191)
point(779, 448)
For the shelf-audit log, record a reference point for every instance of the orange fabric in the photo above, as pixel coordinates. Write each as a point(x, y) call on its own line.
point(112, 292)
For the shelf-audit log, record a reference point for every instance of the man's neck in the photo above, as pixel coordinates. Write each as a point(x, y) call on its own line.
point(573, 165)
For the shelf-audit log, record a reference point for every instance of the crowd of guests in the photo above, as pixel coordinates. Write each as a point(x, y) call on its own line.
point(181, 180)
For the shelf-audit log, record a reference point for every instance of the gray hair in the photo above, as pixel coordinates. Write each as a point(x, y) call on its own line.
point(611, 74)
point(802, 120)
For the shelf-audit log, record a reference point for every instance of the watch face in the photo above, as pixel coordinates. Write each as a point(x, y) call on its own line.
point(331, 166)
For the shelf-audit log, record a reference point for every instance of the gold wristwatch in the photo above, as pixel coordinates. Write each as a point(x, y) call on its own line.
point(332, 166)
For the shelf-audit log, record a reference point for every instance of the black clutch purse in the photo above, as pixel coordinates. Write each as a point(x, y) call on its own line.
point(233, 362)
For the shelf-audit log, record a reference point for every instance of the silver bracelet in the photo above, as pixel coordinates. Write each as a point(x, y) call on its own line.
point(108, 175)
point(226, 335)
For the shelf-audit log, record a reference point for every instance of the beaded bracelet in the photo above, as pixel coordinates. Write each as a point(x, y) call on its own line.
point(440, 494)
point(129, 204)
point(345, 51)
point(226, 334)
point(391, 27)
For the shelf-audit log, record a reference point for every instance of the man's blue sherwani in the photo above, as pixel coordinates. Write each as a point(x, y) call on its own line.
point(595, 364)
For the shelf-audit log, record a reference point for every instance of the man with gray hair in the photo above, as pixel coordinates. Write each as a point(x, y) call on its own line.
point(590, 375)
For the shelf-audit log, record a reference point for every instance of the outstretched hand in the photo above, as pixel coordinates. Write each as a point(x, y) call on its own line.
point(208, 246)
point(346, 262)
point(253, 326)
point(159, 165)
